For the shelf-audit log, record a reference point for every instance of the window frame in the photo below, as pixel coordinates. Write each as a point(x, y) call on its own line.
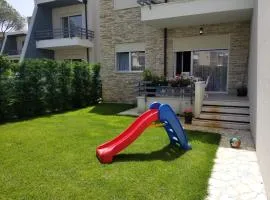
point(68, 22)
point(130, 62)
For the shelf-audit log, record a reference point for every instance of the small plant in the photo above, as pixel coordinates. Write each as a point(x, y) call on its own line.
point(147, 75)
point(242, 90)
point(180, 81)
point(188, 115)
point(155, 79)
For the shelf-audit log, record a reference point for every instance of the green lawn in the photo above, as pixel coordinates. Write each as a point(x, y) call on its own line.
point(53, 157)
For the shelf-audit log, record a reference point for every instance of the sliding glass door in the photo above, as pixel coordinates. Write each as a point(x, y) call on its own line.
point(212, 64)
point(71, 25)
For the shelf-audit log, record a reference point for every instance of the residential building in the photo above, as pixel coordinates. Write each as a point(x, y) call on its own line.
point(63, 30)
point(222, 41)
point(1, 40)
point(13, 45)
point(133, 39)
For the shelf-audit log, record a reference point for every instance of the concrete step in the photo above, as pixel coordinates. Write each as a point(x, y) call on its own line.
point(226, 103)
point(224, 109)
point(221, 124)
point(225, 117)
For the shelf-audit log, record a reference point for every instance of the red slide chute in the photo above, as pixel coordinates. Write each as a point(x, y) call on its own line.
point(105, 152)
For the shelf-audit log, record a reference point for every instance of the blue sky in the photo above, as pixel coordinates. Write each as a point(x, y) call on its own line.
point(24, 7)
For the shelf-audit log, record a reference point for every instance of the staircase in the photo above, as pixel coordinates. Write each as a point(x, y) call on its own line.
point(233, 114)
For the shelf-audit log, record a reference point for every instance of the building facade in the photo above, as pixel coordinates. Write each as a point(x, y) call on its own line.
point(63, 30)
point(226, 40)
point(127, 27)
point(13, 44)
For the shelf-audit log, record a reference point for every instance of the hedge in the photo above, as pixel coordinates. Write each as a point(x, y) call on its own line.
point(36, 87)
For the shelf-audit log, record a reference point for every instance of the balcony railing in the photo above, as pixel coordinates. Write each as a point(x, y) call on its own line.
point(148, 89)
point(64, 33)
point(150, 2)
point(13, 52)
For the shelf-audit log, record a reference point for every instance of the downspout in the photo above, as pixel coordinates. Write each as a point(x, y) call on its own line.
point(165, 48)
point(86, 26)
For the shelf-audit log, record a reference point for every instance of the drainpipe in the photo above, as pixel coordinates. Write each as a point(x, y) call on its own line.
point(165, 48)
point(165, 51)
point(86, 26)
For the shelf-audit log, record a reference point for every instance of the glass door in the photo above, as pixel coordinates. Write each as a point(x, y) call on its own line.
point(71, 25)
point(213, 64)
point(65, 27)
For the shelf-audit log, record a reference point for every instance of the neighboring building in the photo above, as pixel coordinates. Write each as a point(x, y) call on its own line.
point(226, 40)
point(60, 30)
point(13, 44)
point(1, 40)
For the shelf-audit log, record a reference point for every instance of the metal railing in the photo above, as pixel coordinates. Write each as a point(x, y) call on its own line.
point(13, 52)
point(148, 89)
point(150, 2)
point(64, 33)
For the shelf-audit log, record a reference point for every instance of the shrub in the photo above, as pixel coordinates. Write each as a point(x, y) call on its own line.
point(40, 86)
point(7, 93)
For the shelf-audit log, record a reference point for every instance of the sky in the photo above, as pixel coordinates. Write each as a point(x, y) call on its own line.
point(24, 7)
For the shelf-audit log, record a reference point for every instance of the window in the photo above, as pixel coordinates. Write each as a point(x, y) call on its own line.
point(130, 61)
point(183, 62)
point(70, 25)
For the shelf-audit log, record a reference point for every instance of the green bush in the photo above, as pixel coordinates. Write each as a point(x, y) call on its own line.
point(7, 86)
point(43, 86)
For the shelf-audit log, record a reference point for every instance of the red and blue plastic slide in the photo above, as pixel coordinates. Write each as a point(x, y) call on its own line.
point(157, 112)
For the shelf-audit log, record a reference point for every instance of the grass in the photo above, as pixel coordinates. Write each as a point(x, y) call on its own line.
point(53, 157)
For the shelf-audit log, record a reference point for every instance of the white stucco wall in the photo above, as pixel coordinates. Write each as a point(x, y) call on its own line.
point(252, 72)
point(20, 41)
point(93, 23)
point(201, 42)
point(58, 13)
point(263, 91)
point(259, 86)
point(72, 53)
point(123, 4)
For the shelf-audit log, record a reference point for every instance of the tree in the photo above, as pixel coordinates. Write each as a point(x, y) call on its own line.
point(10, 19)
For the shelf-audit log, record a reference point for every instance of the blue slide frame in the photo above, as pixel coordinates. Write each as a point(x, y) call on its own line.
point(173, 127)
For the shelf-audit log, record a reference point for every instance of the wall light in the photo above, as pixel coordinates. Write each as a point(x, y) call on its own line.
point(201, 31)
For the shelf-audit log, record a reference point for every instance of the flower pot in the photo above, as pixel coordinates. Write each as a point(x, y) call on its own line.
point(188, 119)
point(242, 92)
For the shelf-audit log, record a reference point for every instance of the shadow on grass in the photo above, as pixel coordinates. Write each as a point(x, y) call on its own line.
point(168, 153)
point(203, 137)
point(40, 115)
point(110, 108)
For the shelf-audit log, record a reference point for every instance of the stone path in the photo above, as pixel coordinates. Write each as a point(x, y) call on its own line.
point(236, 174)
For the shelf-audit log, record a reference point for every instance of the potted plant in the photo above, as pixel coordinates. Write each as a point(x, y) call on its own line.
point(242, 90)
point(180, 81)
point(188, 115)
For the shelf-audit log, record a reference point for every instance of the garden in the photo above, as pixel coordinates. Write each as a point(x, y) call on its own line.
point(46, 153)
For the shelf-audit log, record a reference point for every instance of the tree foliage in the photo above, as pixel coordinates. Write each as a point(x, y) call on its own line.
point(35, 87)
point(10, 19)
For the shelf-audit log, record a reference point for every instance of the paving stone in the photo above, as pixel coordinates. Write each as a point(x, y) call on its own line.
point(236, 174)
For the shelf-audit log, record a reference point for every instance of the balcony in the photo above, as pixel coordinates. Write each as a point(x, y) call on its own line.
point(13, 52)
point(177, 14)
point(57, 3)
point(61, 38)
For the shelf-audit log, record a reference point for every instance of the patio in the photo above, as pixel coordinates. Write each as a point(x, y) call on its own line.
point(236, 173)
